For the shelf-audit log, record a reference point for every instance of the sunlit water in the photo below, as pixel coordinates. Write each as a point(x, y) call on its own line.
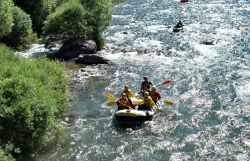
point(210, 118)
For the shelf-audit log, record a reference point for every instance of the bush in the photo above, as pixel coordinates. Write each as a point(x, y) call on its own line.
point(68, 21)
point(87, 19)
point(21, 34)
point(99, 13)
point(4, 156)
point(6, 18)
point(99, 17)
point(39, 10)
point(32, 96)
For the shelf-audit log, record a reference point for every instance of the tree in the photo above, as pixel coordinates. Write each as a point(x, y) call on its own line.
point(68, 21)
point(87, 19)
point(21, 33)
point(99, 17)
point(6, 17)
point(39, 10)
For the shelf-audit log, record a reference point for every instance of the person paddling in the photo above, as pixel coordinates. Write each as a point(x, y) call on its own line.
point(148, 103)
point(156, 96)
point(128, 92)
point(124, 102)
point(146, 84)
point(179, 24)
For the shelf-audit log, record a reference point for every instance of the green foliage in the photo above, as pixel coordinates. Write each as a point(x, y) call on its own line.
point(76, 18)
point(99, 17)
point(100, 13)
point(39, 10)
point(6, 18)
point(5, 156)
point(68, 21)
point(32, 96)
point(21, 34)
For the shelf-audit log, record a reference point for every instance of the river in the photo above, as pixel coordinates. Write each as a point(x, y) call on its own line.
point(210, 117)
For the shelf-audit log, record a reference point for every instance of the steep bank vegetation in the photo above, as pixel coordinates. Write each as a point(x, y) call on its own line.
point(72, 18)
point(79, 18)
point(6, 18)
point(32, 96)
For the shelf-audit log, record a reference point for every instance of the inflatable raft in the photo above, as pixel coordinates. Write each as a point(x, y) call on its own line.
point(134, 115)
point(177, 29)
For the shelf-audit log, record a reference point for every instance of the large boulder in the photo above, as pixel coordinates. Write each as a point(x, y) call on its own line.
point(91, 59)
point(73, 48)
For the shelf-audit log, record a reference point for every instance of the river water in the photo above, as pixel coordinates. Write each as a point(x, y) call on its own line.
point(210, 117)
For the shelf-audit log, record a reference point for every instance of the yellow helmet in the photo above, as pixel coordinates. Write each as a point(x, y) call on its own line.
point(146, 94)
point(124, 94)
point(153, 88)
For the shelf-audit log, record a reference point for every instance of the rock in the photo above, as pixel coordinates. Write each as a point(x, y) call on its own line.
point(208, 42)
point(73, 48)
point(91, 59)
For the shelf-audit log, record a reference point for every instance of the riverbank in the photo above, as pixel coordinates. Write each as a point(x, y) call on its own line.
point(33, 95)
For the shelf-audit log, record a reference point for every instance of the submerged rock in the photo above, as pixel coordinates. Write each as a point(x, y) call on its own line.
point(208, 42)
point(91, 59)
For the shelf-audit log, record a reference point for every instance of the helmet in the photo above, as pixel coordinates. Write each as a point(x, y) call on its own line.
point(153, 88)
point(146, 94)
point(124, 94)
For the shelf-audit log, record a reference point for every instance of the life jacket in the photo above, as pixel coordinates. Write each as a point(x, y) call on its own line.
point(147, 101)
point(129, 93)
point(146, 85)
point(155, 96)
point(123, 103)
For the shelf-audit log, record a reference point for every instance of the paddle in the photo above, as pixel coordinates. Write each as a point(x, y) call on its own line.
point(169, 26)
point(111, 103)
point(168, 102)
point(110, 96)
point(158, 109)
point(164, 83)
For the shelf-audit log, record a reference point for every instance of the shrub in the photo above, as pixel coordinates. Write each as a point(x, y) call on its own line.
point(21, 34)
point(4, 156)
point(39, 10)
point(100, 13)
point(6, 18)
point(32, 96)
point(68, 21)
point(76, 18)
point(99, 17)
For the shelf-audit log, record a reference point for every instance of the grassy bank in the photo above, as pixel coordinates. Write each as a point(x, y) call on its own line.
point(33, 94)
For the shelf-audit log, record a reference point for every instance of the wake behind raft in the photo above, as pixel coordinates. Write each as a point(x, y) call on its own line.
point(131, 115)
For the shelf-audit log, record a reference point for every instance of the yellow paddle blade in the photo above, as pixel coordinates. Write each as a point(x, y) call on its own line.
point(159, 110)
point(110, 96)
point(168, 102)
point(111, 103)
